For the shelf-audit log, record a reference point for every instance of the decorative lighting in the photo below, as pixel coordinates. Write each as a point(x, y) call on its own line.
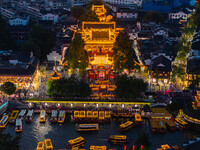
point(71, 105)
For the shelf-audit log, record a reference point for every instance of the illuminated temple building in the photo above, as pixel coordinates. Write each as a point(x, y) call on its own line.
point(99, 38)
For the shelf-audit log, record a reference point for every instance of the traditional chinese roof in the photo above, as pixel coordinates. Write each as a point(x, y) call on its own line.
point(98, 25)
point(55, 75)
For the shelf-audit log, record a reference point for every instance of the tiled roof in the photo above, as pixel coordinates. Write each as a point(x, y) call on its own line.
point(100, 25)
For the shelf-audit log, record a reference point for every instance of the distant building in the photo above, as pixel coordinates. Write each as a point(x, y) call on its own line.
point(127, 14)
point(182, 14)
point(17, 67)
point(50, 16)
point(127, 2)
point(166, 5)
point(19, 21)
point(7, 13)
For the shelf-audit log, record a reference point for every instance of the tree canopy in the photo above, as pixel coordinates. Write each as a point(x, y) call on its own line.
point(77, 56)
point(68, 87)
point(123, 53)
point(6, 42)
point(143, 139)
point(40, 42)
point(7, 142)
point(8, 88)
point(154, 16)
point(129, 87)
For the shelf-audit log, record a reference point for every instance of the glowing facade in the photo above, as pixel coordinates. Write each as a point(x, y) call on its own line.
point(99, 38)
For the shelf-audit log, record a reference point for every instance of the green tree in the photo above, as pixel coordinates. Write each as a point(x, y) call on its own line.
point(6, 42)
point(7, 142)
point(153, 16)
point(77, 56)
point(8, 88)
point(77, 12)
point(123, 53)
point(68, 87)
point(40, 42)
point(143, 139)
point(129, 87)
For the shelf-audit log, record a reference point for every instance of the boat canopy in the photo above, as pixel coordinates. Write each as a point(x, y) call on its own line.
point(18, 122)
point(82, 114)
point(42, 113)
point(179, 120)
point(22, 113)
point(107, 114)
point(89, 114)
point(48, 144)
point(95, 114)
point(14, 114)
point(40, 146)
point(3, 120)
point(54, 113)
point(62, 113)
point(138, 117)
point(76, 114)
point(30, 113)
point(88, 125)
point(92, 147)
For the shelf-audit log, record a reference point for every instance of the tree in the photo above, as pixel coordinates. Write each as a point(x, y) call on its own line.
point(129, 87)
point(123, 53)
point(154, 16)
point(8, 88)
point(143, 139)
point(77, 12)
point(40, 42)
point(7, 142)
point(68, 87)
point(6, 42)
point(77, 56)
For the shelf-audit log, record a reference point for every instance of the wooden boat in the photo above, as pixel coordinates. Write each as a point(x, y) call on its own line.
point(87, 127)
point(107, 116)
point(13, 116)
point(89, 116)
point(42, 116)
point(22, 114)
point(48, 145)
point(40, 146)
point(171, 125)
point(101, 117)
point(29, 116)
point(92, 147)
point(157, 126)
point(75, 143)
point(138, 120)
point(18, 126)
point(125, 126)
point(182, 124)
point(95, 116)
point(82, 116)
point(54, 115)
point(4, 121)
point(118, 139)
point(76, 116)
point(61, 116)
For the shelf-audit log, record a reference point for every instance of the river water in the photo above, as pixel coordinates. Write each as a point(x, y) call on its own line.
point(60, 134)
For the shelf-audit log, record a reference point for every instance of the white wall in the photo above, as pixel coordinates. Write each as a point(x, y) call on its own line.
point(178, 15)
point(137, 2)
point(19, 21)
point(51, 17)
point(127, 15)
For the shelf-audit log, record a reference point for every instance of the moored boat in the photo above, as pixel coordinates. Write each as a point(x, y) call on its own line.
point(95, 116)
point(42, 116)
point(171, 125)
point(138, 120)
point(107, 116)
point(48, 145)
point(4, 121)
point(92, 147)
point(157, 126)
point(54, 115)
point(182, 124)
point(87, 127)
point(40, 146)
point(82, 116)
point(75, 143)
point(101, 117)
point(29, 116)
point(18, 126)
point(22, 114)
point(13, 116)
point(125, 126)
point(76, 116)
point(89, 116)
point(118, 139)
point(61, 116)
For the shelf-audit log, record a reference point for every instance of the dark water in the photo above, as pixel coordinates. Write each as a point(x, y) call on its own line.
point(60, 134)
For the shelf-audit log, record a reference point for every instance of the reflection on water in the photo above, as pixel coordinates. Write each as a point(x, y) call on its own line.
point(39, 130)
point(60, 134)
